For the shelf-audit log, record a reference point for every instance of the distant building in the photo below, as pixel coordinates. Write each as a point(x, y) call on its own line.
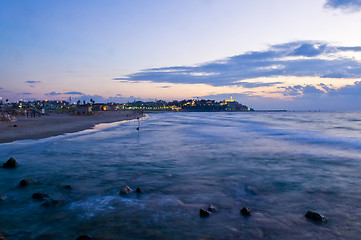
point(83, 110)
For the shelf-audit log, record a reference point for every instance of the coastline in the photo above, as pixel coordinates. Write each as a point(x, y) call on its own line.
point(57, 124)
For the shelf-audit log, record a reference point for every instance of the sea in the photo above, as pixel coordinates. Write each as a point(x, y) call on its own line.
point(278, 164)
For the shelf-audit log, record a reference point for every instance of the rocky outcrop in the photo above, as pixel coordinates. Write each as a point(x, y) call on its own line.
point(315, 216)
point(27, 181)
point(11, 163)
point(139, 190)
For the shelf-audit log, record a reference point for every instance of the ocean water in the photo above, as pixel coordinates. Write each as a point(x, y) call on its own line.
point(280, 165)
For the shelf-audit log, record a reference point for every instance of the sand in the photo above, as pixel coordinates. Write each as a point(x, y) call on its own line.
point(57, 124)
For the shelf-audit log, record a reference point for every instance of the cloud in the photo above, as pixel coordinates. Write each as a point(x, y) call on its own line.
point(309, 50)
point(74, 93)
point(52, 94)
point(26, 93)
point(300, 59)
point(304, 97)
point(33, 82)
point(348, 5)
point(299, 90)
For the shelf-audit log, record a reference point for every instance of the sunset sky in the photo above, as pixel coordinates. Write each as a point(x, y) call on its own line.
point(279, 54)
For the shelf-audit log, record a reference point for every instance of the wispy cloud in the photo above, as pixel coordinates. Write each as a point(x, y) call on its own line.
point(300, 59)
point(33, 82)
point(74, 93)
point(349, 5)
point(52, 94)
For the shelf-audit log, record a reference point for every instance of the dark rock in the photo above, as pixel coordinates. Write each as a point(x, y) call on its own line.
point(68, 187)
point(53, 203)
point(27, 181)
point(39, 196)
point(126, 190)
point(315, 216)
point(204, 213)
point(15, 125)
point(212, 209)
point(11, 163)
point(139, 190)
point(246, 211)
point(2, 237)
point(84, 237)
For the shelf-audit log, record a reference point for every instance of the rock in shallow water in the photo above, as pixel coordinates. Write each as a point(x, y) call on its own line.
point(2, 237)
point(315, 216)
point(68, 187)
point(11, 163)
point(246, 211)
point(139, 190)
point(53, 203)
point(212, 209)
point(204, 213)
point(39, 196)
point(26, 181)
point(125, 191)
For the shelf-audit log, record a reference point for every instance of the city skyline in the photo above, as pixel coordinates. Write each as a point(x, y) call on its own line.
point(267, 55)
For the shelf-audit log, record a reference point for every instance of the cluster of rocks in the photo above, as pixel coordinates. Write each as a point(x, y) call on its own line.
point(12, 163)
point(6, 117)
point(245, 211)
point(126, 190)
point(212, 209)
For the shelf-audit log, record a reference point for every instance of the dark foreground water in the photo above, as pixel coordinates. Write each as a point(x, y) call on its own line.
point(278, 164)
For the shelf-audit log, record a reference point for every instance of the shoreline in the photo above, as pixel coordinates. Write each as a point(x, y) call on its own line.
point(57, 124)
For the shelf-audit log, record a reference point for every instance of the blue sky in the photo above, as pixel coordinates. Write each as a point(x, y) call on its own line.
point(266, 54)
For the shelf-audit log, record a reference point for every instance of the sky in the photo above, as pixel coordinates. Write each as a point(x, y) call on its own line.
point(279, 54)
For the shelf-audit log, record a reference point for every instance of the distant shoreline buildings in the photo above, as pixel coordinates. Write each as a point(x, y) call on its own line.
point(84, 107)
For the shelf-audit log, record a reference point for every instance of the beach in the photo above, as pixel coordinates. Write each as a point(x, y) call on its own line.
point(57, 124)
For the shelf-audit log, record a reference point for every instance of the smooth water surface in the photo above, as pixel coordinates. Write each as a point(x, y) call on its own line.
point(278, 164)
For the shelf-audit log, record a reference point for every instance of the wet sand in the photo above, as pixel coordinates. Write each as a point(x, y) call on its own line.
point(57, 124)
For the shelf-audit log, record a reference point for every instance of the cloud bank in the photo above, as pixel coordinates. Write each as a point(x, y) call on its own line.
point(349, 5)
point(304, 97)
point(300, 59)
